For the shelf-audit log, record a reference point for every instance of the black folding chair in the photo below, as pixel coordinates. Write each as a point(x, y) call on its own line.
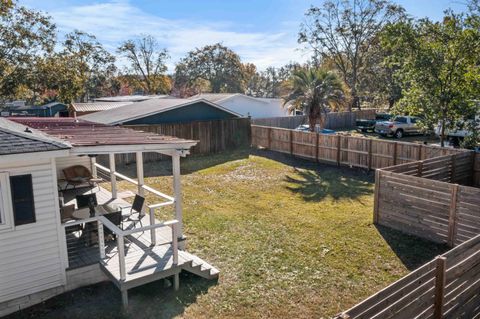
point(136, 211)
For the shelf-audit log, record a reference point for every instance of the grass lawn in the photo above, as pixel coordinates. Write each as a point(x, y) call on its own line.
point(292, 239)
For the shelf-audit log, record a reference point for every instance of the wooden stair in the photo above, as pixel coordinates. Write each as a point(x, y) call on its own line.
point(198, 266)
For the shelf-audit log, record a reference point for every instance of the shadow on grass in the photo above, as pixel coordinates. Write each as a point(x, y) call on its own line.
point(315, 185)
point(103, 300)
point(412, 251)
point(189, 165)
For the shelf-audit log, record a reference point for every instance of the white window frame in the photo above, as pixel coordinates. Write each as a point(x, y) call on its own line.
point(6, 211)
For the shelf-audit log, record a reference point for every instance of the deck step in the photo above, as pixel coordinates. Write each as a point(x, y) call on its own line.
point(199, 266)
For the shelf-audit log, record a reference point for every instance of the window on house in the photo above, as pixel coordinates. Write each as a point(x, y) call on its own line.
point(23, 203)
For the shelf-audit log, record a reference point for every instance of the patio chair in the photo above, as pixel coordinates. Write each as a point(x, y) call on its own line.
point(136, 211)
point(79, 175)
point(66, 216)
point(116, 219)
point(88, 200)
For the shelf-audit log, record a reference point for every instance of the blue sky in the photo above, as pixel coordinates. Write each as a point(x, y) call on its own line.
point(263, 32)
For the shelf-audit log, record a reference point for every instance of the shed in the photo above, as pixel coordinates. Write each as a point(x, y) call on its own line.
point(246, 105)
point(158, 111)
point(52, 109)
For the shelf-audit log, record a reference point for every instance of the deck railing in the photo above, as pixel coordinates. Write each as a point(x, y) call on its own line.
point(102, 221)
point(167, 199)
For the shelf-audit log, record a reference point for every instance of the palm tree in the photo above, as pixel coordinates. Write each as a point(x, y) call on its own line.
point(313, 91)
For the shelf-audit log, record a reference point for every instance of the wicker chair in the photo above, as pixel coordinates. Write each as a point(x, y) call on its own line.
point(79, 175)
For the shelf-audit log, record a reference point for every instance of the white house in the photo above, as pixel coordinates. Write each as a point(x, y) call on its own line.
point(40, 252)
point(247, 105)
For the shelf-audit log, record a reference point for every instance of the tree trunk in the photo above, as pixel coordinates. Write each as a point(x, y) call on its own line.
point(442, 135)
point(391, 103)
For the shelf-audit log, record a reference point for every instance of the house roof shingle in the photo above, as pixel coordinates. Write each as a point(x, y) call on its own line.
point(15, 140)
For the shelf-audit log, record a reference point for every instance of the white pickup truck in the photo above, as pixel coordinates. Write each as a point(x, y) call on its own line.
point(398, 127)
point(460, 129)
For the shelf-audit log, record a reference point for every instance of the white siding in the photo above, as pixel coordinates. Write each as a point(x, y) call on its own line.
point(64, 162)
point(255, 108)
point(32, 254)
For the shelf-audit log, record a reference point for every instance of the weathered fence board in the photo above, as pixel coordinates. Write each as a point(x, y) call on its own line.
point(424, 198)
point(446, 287)
point(333, 120)
point(212, 136)
point(346, 150)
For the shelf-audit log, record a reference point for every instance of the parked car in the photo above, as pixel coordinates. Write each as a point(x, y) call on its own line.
point(363, 125)
point(460, 130)
point(306, 128)
point(398, 127)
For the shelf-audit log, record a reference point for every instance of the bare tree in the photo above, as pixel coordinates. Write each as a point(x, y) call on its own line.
point(343, 30)
point(147, 63)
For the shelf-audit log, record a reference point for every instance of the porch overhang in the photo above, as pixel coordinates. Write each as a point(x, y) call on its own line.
point(88, 138)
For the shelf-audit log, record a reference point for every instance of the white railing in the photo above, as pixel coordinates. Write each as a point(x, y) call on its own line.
point(168, 200)
point(102, 221)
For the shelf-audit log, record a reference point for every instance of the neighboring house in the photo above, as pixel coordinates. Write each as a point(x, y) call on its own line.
point(130, 98)
point(158, 111)
point(52, 109)
point(246, 105)
point(80, 109)
point(42, 252)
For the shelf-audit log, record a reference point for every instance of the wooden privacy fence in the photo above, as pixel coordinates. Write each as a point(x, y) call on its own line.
point(424, 198)
point(212, 136)
point(333, 120)
point(446, 287)
point(347, 150)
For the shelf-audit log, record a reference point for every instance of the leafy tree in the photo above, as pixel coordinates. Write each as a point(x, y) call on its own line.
point(26, 35)
point(147, 64)
point(343, 31)
point(217, 65)
point(440, 72)
point(270, 82)
point(313, 91)
point(92, 63)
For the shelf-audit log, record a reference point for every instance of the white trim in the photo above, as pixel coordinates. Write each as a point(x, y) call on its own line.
point(6, 210)
point(62, 240)
point(21, 157)
point(187, 102)
point(106, 149)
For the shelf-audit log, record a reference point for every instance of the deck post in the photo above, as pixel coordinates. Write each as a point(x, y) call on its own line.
point(93, 160)
point(176, 281)
point(101, 239)
point(113, 178)
point(174, 245)
point(141, 182)
point(124, 299)
point(121, 257)
point(153, 233)
point(177, 187)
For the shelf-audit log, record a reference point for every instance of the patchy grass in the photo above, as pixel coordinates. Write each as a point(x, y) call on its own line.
point(291, 238)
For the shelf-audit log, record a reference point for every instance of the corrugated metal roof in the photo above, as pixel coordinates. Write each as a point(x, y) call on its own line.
point(97, 106)
point(15, 140)
point(83, 133)
point(145, 108)
point(130, 98)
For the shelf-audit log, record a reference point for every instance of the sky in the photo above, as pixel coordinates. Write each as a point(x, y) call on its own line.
point(263, 32)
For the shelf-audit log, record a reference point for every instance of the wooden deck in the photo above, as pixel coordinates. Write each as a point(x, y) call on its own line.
point(144, 262)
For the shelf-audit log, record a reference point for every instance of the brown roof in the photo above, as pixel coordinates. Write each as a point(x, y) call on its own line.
point(84, 133)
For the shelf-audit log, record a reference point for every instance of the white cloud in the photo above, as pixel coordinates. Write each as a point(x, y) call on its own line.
point(115, 21)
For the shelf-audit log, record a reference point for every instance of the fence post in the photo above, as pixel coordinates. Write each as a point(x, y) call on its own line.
point(369, 154)
point(291, 142)
point(452, 216)
point(339, 147)
point(452, 172)
point(317, 146)
point(376, 198)
point(269, 138)
point(420, 169)
point(395, 153)
point(440, 282)
point(420, 152)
